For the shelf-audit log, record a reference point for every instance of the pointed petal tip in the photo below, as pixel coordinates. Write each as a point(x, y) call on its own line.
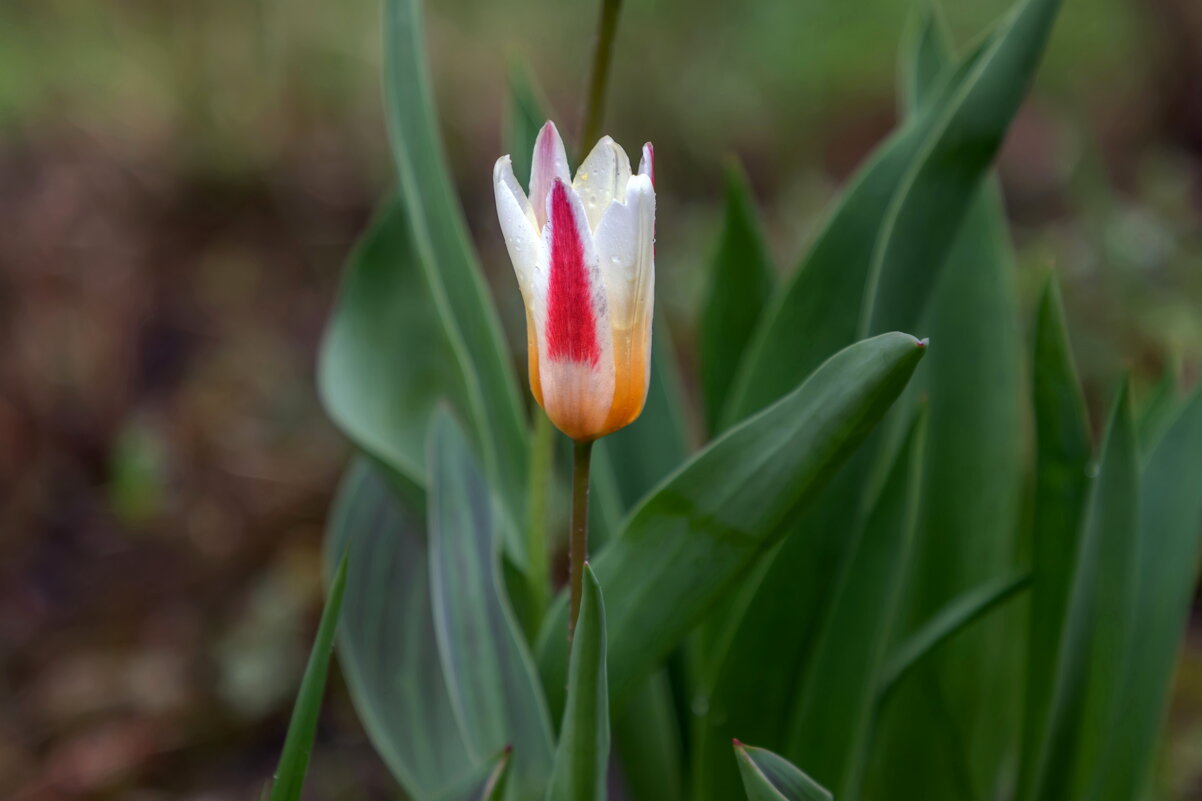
point(499, 167)
point(736, 742)
point(647, 162)
point(922, 343)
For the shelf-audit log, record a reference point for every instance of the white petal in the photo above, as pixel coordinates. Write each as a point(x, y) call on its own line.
point(522, 237)
point(550, 162)
point(601, 177)
point(647, 162)
point(625, 242)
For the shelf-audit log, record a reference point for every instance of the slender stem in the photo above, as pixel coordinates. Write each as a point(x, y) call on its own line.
point(590, 131)
point(541, 450)
point(578, 539)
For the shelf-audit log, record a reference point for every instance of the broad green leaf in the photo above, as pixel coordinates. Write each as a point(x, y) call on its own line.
point(376, 384)
point(1062, 453)
point(924, 216)
point(298, 744)
point(705, 526)
point(455, 287)
point(647, 742)
point(1159, 410)
point(493, 687)
point(582, 756)
point(748, 673)
point(741, 280)
point(923, 176)
point(971, 499)
point(925, 55)
point(386, 643)
point(976, 444)
point(1100, 628)
point(769, 777)
point(957, 616)
point(1170, 518)
point(488, 785)
point(833, 716)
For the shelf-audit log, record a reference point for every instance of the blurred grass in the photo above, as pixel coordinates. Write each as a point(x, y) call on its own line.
point(181, 180)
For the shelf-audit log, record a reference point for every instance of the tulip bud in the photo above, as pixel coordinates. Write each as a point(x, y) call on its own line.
point(584, 254)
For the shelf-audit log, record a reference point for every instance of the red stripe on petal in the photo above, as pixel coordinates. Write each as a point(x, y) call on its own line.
point(571, 322)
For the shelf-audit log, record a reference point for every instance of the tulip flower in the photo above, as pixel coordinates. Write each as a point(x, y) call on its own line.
point(584, 253)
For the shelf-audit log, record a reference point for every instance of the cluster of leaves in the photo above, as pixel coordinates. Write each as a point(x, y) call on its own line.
point(827, 577)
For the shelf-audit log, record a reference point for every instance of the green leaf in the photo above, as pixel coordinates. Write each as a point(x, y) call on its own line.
point(1061, 457)
point(1159, 410)
point(1170, 517)
point(741, 280)
point(380, 395)
point(833, 716)
point(706, 525)
point(647, 742)
point(768, 777)
point(925, 56)
point(924, 216)
point(488, 785)
point(929, 168)
point(745, 666)
point(455, 286)
point(386, 642)
point(582, 755)
point(1100, 628)
point(972, 491)
point(490, 675)
point(298, 744)
point(957, 616)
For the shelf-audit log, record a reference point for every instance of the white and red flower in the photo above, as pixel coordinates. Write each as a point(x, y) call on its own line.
point(584, 254)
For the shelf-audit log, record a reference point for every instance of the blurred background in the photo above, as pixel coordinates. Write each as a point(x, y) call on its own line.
point(180, 182)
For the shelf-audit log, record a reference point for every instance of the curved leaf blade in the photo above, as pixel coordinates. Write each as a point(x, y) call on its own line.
point(835, 707)
point(1100, 626)
point(769, 777)
point(973, 488)
point(946, 624)
point(298, 744)
point(647, 742)
point(456, 288)
point(1062, 454)
point(741, 280)
point(582, 755)
point(381, 402)
point(488, 785)
point(1170, 518)
point(934, 162)
point(924, 216)
point(706, 524)
point(386, 643)
point(490, 676)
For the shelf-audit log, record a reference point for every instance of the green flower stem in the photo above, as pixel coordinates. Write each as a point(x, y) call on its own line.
point(607, 28)
point(578, 539)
